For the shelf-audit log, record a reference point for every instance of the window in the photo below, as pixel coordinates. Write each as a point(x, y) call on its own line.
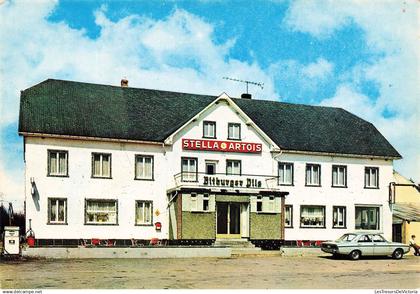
point(57, 163)
point(234, 131)
point(144, 214)
point(313, 175)
point(99, 211)
point(367, 218)
point(57, 211)
point(339, 216)
point(199, 202)
point(371, 177)
point(209, 129)
point(347, 238)
point(364, 239)
point(205, 202)
point(210, 168)
point(288, 216)
point(378, 238)
point(189, 169)
point(312, 216)
point(233, 167)
point(144, 167)
point(259, 204)
point(101, 165)
point(285, 173)
point(339, 176)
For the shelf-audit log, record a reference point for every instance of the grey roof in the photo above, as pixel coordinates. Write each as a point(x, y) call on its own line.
point(60, 107)
point(407, 211)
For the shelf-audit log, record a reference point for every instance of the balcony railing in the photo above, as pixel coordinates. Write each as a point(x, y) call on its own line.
point(224, 181)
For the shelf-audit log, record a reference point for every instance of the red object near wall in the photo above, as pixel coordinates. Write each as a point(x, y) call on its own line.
point(224, 146)
point(154, 241)
point(96, 242)
point(158, 226)
point(30, 241)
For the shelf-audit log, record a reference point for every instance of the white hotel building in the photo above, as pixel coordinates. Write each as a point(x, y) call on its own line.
point(124, 163)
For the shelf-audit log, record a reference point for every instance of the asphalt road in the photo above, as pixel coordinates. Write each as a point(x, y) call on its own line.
point(211, 273)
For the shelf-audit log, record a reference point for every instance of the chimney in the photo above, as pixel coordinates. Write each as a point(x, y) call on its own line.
point(246, 96)
point(124, 82)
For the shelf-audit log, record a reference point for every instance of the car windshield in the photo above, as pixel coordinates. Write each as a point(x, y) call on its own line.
point(346, 238)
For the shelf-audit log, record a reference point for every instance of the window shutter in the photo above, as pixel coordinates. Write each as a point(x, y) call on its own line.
point(265, 204)
point(199, 200)
point(253, 203)
point(186, 202)
point(212, 203)
point(277, 204)
point(194, 203)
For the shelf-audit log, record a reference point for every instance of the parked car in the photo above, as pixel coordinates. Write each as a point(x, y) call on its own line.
point(359, 244)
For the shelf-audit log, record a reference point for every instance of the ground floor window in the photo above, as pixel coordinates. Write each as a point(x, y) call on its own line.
point(312, 216)
point(288, 216)
point(339, 216)
point(100, 211)
point(199, 202)
point(259, 204)
point(144, 214)
point(57, 210)
point(367, 218)
point(206, 202)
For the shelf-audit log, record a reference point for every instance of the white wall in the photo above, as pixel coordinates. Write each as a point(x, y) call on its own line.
point(79, 185)
point(252, 163)
point(354, 194)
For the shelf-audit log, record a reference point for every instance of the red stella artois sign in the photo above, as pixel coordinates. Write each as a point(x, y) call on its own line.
point(224, 146)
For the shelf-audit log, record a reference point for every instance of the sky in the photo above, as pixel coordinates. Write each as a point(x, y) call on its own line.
point(362, 56)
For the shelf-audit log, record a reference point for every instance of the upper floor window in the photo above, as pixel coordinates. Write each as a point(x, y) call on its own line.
point(210, 168)
point(101, 165)
point(233, 167)
point(313, 175)
point(209, 129)
point(189, 169)
point(285, 173)
point(234, 131)
point(371, 177)
point(144, 167)
point(339, 176)
point(57, 163)
point(57, 210)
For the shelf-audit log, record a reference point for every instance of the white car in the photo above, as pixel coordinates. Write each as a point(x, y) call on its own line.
point(359, 244)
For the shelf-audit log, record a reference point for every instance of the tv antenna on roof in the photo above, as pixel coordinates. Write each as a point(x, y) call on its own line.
point(261, 85)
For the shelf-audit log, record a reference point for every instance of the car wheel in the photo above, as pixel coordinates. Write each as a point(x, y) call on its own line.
point(398, 254)
point(355, 255)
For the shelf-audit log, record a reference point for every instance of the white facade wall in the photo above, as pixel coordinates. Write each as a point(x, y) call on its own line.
point(167, 162)
point(79, 186)
point(222, 114)
point(328, 196)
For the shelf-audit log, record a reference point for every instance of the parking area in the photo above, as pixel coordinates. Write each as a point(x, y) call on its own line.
point(275, 272)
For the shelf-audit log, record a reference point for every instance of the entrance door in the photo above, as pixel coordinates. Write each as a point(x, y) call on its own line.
point(228, 220)
point(397, 233)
